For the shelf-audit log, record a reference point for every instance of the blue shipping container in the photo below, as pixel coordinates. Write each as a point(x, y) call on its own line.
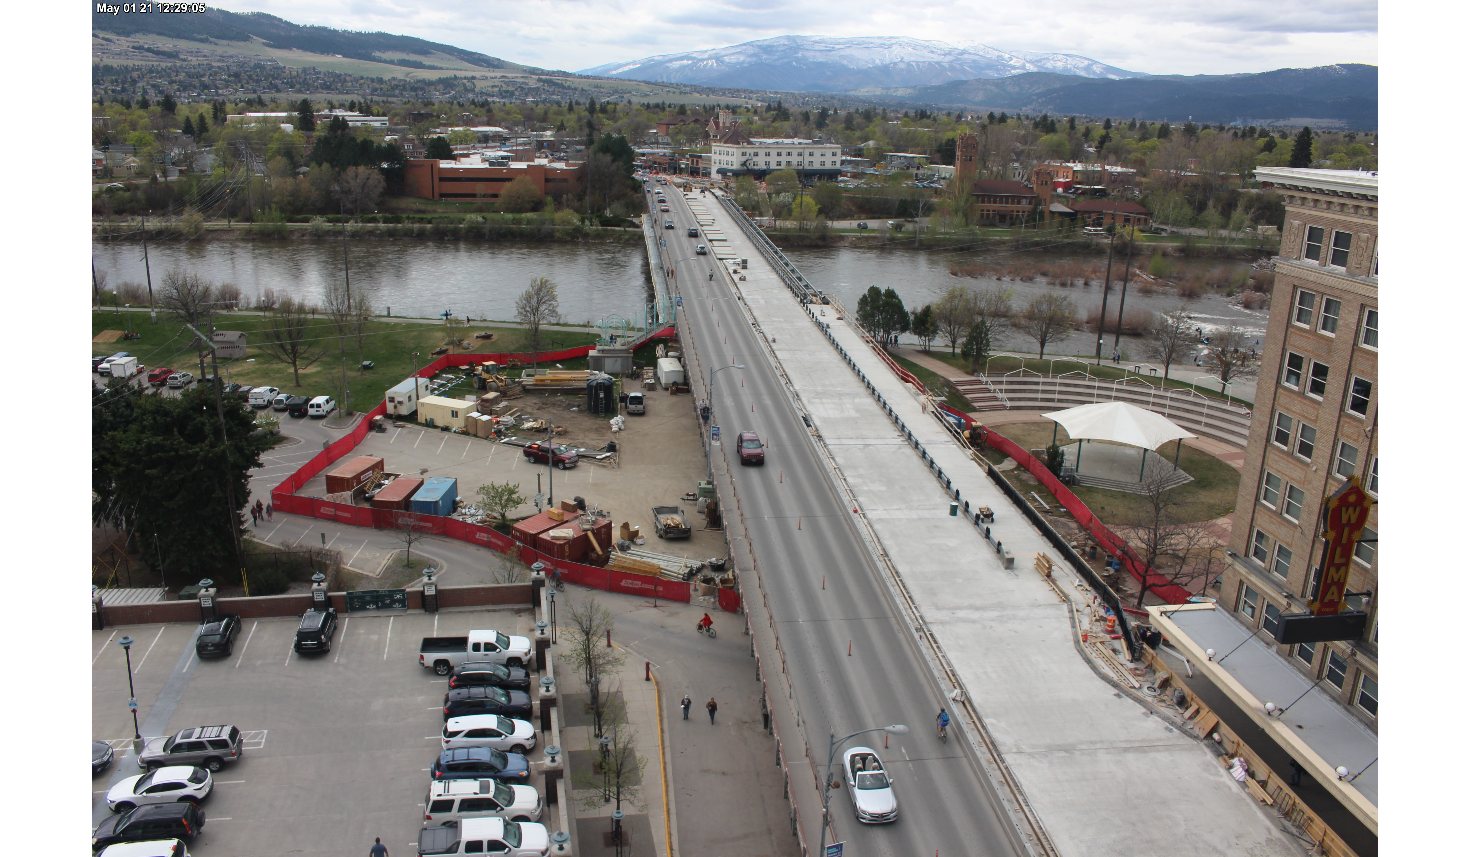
point(436, 497)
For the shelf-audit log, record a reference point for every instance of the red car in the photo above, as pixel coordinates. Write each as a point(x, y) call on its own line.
point(158, 377)
point(539, 452)
point(751, 451)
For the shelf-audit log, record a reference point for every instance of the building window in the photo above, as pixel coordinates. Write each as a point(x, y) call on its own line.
point(1317, 386)
point(1293, 375)
point(1342, 242)
point(1366, 547)
point(1313, 249)
point(1271, 490)
point(1306, 441)
point(1249, 601)
point(1372, 486)
point(1358, 399)
point(1261, 548)
point(1271, 618)
point(1306, 303)
point(1282, 565)
point(1294, 499)
point(1331, 309)
point(1347, 460)
point(1281, 433)
point(1370, 328)
point(1336, 669)
point(1368, 694)
point(1306, 652)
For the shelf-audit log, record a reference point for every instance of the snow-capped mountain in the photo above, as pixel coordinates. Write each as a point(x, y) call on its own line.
point(834, 64)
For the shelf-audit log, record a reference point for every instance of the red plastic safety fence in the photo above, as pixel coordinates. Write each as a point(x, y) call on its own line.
point(1110, 541)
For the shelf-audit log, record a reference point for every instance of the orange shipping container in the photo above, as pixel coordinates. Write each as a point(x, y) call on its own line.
point(526, 531)
point(395, 495)
point(573, 549)
point(353, 474)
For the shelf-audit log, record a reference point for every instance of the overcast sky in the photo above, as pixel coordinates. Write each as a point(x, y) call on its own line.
point(1180, 37)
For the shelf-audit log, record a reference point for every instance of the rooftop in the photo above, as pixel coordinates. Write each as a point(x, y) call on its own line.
point(1353, 182)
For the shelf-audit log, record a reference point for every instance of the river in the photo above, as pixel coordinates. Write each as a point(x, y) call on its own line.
point(483, 279)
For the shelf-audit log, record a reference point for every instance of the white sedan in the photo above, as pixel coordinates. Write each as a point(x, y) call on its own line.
point(489, 730)
point(868, 783)
point(164, 785)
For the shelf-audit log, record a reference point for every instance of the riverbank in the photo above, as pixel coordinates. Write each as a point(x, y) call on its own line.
point(421, 227)
point(1049, 239)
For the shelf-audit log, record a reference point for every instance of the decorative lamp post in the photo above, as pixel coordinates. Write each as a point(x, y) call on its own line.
point(127, 645)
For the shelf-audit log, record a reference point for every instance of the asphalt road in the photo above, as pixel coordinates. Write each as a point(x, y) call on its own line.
point(803, 537)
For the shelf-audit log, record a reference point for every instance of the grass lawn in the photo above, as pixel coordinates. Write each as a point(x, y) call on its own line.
point(1061, 365)
point(389, 344)
point(1210, 495)
point(936, 384)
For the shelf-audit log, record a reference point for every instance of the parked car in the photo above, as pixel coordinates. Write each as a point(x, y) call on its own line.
point(296, 406)
point(456, 800)
point(486, 700)
point(152, 848)
point(485, 836)
point(863, 224)
point(539, 452)
point(230, 390)
point(694, 232)
point(489, 730)
point(179, 380)
point(97, 361)
point(209, 746)
point(217, 636)
point(101, 756)
point(206, 379)
point(281, 401)
point(443, 654)
point(314, 634)
point(320, 407)
point(147, 823)
point(243, 391)
point(262, 397)
point(701, 250)
point(872, 792)
point(478, 763)
point(162, 785)
point(751, 450)
point(635, 404)
point(158, 377)
point(491, 675)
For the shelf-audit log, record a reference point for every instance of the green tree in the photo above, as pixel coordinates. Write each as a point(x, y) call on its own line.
point(167, 103)
point(830, 199)
point(976, 348)
point(804, 211)
point(188, 129)
point(305, 117)
point(782, 181)
point(163, 470)
point(499, 499)
point(893, 318)
point(438, 149)
point(1268, 144)
point(869, 307)
point(520, 195)
point(1301, 149)
point(462, 137)
point(923, 326)
point(201, 125)
point(747, 194)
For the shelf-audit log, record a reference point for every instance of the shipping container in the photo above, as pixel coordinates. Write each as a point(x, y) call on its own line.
point(436, 497)
point(403, 400)
point(526, 531)
point(670, 372)
point(395, 494)
point(443, 411)
point(573, 549)
point(351, 475)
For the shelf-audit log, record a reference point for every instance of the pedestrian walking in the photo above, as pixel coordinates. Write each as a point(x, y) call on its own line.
point(269, 511)
point(254, 516)
point(712, 709)
point(684, 704)
point(1296, 773)
point(378, 849)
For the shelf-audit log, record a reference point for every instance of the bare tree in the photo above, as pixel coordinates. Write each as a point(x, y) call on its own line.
point(357, 188)
point(1179, 551)
point(289, 337)
point(362, 313)
point(536, 307)
point(953, 315)
point(994, 304)
point(1229, 351)
point(337, 301)
point(619, 772)
point(1048, 318)
point(1168, 337)
point(589, 625)
point(185, 295)
point(409, 530)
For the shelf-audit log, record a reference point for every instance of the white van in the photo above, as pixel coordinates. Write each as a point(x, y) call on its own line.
point(281, 402)
point(261, 397)
point(456, 800)
point(485, 836)
point(320, 406)
point(156, 848)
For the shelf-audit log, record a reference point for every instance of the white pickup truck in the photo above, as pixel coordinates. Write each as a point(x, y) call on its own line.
point(443, 654)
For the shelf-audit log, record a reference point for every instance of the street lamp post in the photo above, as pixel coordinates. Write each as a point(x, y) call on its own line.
point(832, 744)
point(712, 374)
point(127, 645)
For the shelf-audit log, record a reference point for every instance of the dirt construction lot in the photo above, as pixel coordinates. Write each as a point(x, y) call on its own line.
point(659, 459)
point(338, 746)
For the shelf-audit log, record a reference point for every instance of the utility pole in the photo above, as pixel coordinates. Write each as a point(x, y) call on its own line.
point(152, 312)
point(96, 291)
point(1118, 333)
point(1102, 316)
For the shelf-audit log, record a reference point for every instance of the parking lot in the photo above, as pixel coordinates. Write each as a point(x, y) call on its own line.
point(338, 746)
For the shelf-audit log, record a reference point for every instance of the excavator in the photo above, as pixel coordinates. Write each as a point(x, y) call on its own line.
point(490, 376)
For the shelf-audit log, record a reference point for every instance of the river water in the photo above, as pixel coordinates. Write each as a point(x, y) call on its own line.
point(483, 279)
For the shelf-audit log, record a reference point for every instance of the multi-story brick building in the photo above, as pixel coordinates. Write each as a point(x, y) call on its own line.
point(477, 178)
point(1001, 201)
point(1315, 424)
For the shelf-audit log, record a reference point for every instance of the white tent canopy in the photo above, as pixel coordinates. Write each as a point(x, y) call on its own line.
point(1118, 422)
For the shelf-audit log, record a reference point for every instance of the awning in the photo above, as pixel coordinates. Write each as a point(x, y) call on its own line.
point(1118, 422)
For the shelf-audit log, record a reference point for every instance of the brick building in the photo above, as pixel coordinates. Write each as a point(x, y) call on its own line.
point(966, 156)
point(1002, 201)
point(1315, 423)
point(475, 178)
point(1101, 212)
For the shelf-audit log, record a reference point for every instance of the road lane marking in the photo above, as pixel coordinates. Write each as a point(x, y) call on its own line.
point(416, 443)
point(139, 668)
point(354, 556)
point(105, 644)
point(389, 639)
point(344, 638)
point(248, 638)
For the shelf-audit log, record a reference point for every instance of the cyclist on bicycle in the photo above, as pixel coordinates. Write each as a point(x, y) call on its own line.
point(943, 721)
point(704, 623)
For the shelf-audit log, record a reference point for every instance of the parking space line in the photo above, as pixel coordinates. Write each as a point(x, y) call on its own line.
point(248, 638)
point(390, 638)
point(345, 622)
point(436, 624)
point(108, 642)
point(395, 435)
point(467, 445)
point(334, 540)
point(273, 532)
point(139, 668)
point(228, 782)
point(416, 443)
point(354, 556)
point(289, 652)
point(441, 444)
point(193, 653)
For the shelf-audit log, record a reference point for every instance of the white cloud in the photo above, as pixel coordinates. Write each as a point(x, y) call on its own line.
point(1192, 37)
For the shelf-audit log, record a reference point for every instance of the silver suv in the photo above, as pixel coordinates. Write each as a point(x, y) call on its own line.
point(205, 746)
